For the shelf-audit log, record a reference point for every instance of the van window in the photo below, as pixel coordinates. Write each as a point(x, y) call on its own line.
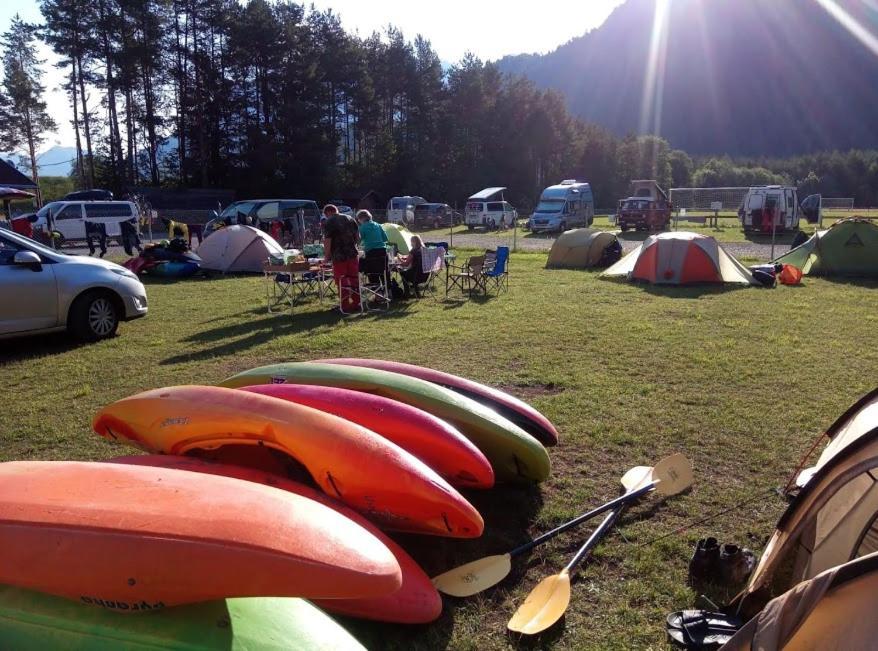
point(398, 204)
point(495, 206)
point(267, 211)
point(95, 210)
point(755, 202)
point(789, 201)
point(474, 206)
point(71, 211)
point(575, 205)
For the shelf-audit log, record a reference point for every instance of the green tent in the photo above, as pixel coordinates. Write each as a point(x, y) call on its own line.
point(848, 248)
point(400, 236)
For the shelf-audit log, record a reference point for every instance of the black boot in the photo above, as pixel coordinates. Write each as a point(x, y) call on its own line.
point(704, 566)
point(735, 564)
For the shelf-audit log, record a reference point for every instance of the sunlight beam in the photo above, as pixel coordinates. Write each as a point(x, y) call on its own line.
point(851, 24)
point(653, 87)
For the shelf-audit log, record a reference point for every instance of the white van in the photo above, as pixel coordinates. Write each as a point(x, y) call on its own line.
point(570, 204)
point(69, 217)
point(770, 203)
point(488, 209)
point(401, 210)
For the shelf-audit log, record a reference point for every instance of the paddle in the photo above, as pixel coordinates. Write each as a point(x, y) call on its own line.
point(670, 476)
point(548, 602)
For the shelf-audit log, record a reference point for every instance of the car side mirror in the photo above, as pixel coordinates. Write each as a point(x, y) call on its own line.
point(28, 259)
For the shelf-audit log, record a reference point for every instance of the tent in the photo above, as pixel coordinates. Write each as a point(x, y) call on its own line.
point(580, 248)
point(834, 516)
point(238, 248)
point(681, 258)
point(834, 610)
point(400, 236)
point(847, 248)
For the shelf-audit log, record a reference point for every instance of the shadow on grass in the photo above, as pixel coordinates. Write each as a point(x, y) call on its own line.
point(28, 347)
point(853, 281)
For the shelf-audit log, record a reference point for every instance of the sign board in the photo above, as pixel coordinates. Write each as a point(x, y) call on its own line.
point(716, 205)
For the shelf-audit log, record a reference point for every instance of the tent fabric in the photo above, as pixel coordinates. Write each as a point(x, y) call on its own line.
point(681, 258)
point(847, 248)
point(400, 236)
point(238, 249)
point(834, 518)
point(580, 248)
point(834, 610)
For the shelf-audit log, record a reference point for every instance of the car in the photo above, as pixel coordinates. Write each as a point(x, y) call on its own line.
point(570, 204)
point(68, 218)
point(42, 290)
point(88, 195)
point(648, 208)
point(401, 210)
point(434, 215)
point(488, 210)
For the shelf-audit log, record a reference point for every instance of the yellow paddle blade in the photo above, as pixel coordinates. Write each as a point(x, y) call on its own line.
point(544, 606)
point(673, 474)
point(471, 578)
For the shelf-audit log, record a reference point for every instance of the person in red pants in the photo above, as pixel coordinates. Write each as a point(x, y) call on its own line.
point(340, 237)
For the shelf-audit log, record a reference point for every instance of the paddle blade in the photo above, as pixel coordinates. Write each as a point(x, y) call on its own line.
point(471, 578)
point(544, 606)
point(673, 474)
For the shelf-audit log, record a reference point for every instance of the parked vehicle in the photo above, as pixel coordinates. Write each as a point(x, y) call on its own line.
point(647, 209)
point(88, 195)
point(763, 206)
point(69, 217)
point(434, 215)
point(488, 209)
point(570, 204)
point(42, 290)
point(401, 210)
point(260, 212)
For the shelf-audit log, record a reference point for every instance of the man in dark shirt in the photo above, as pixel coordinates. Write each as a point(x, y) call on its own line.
point(340, 237)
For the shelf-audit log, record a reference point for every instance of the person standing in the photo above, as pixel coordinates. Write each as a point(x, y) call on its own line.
point(340, 237)
point(96, 230)
point(373, 239)
point(130, 237)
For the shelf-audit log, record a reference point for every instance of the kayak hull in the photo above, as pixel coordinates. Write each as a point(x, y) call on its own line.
point(514, 454)
point(430, 439)
point(417, 600)
point(398, 491)
point(133, 538)
point(517, 411)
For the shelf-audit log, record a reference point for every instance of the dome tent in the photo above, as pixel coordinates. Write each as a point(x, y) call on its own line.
point(681, 258)
point(400, 236)
point(238, 248)
point(847, 248)
point(580, 248)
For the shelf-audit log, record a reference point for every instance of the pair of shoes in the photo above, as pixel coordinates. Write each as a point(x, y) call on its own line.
point(701, 629)
point(726, 564)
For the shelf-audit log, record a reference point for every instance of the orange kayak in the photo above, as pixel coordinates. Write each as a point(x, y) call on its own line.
point(430, 439)
point(362, 469)
point(416, 601)
point(131, 539)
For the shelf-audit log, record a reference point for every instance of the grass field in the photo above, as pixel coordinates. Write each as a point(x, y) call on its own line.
point(740, 380)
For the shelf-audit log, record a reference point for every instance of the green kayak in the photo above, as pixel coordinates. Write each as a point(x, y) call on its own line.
point(514, 454)
point(31, 621)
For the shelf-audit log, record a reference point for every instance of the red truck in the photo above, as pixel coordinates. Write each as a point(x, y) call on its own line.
point(647, 209)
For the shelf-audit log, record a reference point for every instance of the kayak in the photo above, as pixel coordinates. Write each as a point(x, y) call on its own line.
point(32, 621)
point(362, 469)
point(514, 454)
point(416, 601)
point(133, 538)
point(518, 411)
point(430, 439)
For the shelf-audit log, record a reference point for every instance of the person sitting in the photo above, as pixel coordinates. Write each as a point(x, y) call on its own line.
point(413, 272)
point(373, 239)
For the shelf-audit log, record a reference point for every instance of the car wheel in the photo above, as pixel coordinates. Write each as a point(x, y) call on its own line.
point(94, 316)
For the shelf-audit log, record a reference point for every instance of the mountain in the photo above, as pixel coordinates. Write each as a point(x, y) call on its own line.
point(55, 161)
point(739, 77)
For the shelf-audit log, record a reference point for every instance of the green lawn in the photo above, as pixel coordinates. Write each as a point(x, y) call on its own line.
point(740, 380)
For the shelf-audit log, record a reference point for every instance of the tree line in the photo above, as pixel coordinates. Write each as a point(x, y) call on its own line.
point(274, 98)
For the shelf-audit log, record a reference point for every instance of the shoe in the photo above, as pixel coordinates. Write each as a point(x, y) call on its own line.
point(704, 566)
point(735, 564)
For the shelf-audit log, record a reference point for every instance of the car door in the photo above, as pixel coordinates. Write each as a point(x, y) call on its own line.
point(28, 298)
point(69, 222)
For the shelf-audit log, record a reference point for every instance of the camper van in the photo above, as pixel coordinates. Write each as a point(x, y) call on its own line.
point(401, 210)
point(648, 208)
point(570, 204)
point(69, 217)
point(487, 209)
point(772, 203)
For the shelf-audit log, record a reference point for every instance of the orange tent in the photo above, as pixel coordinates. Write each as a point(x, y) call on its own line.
point(681, 258)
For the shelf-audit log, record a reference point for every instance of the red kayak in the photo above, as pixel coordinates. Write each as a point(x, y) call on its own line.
point(430, 439)
point(510, 407)
point(416, 601)
point(132, 539)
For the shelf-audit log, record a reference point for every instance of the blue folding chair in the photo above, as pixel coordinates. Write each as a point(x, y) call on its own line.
point(496, 271)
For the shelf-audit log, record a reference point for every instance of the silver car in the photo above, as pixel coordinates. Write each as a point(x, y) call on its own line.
point(42, 290)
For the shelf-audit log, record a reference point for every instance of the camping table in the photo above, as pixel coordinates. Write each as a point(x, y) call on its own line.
point(303, 277)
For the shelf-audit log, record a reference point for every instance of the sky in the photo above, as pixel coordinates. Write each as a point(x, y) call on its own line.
point(487, 28)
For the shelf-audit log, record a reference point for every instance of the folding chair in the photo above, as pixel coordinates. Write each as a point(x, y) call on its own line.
point(375, 294)
point(496, 274)
point(289, 284)
point(432, 264)
point(467, 276)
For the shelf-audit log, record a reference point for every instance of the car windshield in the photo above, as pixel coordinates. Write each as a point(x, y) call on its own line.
point(239, 207)
point(54, 206)
point(550, 205)
point(636, 205)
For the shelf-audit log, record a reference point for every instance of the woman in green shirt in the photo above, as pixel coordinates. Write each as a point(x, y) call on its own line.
point(373, 239)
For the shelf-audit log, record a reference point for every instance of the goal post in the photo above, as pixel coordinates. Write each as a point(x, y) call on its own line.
point(724, 201)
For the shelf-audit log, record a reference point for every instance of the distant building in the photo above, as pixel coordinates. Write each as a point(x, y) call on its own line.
point(10, 177)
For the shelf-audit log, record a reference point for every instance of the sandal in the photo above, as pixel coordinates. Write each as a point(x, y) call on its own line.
point(701, 629)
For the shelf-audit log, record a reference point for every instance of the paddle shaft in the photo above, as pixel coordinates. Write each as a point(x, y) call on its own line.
point(622, 500)
point(594, 538)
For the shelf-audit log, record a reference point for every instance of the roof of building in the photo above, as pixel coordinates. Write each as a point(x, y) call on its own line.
point(12, 178)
